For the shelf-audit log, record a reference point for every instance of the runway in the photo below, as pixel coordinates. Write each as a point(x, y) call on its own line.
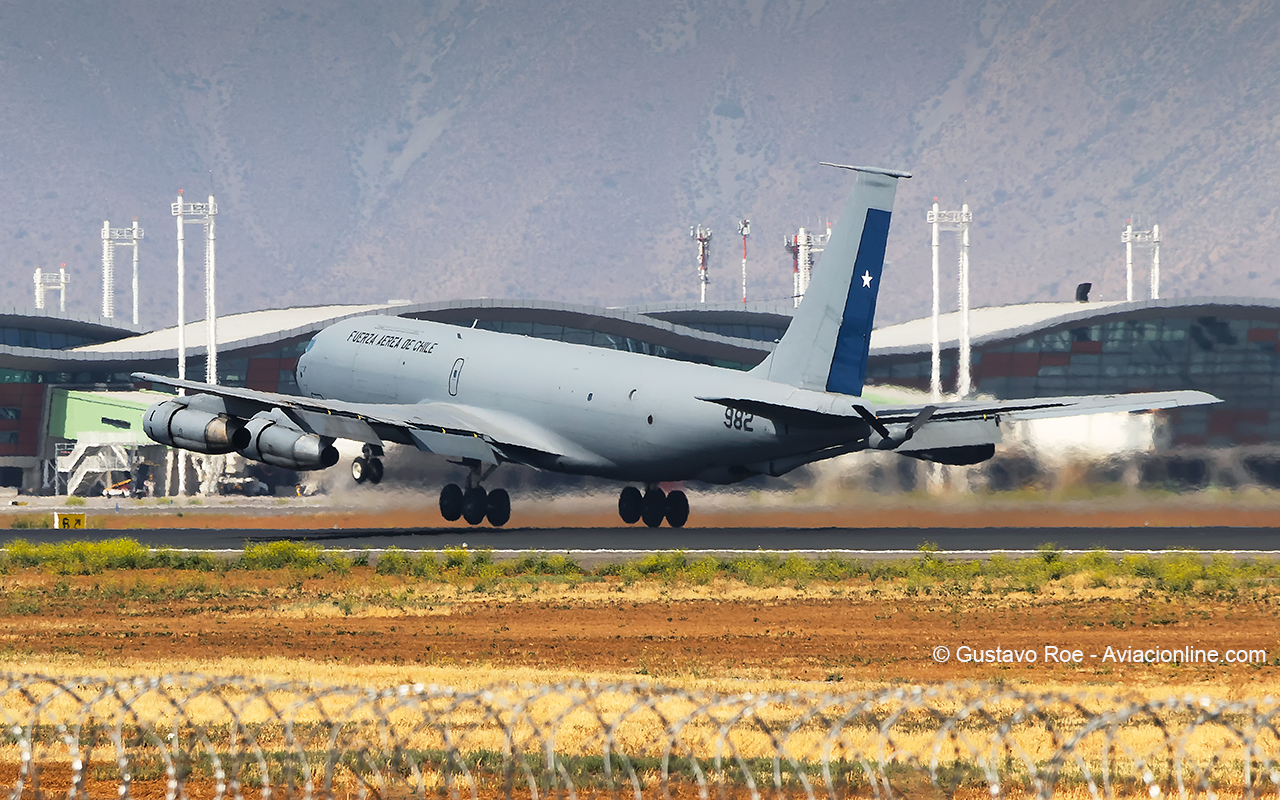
point(867, 542)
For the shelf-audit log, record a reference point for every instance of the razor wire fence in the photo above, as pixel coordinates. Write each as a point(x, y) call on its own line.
point(188, 736)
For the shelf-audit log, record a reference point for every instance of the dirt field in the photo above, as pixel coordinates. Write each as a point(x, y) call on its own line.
point(376, 628)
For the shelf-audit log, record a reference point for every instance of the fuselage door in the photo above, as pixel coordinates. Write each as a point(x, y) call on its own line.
point(454, 375)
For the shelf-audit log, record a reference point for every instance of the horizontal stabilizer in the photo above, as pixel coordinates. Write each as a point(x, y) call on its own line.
point(813, 409)
point(1047, 407)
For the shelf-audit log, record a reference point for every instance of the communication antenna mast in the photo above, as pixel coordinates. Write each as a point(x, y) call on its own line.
point(49, 281)
point(802, 248)
point(111, 239)
point(958, 221)
point(1150, 239)
point(744, 228)
point(703, 237)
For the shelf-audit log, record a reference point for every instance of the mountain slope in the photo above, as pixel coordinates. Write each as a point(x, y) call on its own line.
point(560, 150)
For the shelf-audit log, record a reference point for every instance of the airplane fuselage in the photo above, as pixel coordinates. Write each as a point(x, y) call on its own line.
point(604, 412)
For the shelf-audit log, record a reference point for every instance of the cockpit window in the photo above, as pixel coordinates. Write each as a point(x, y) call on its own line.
point(310, 343)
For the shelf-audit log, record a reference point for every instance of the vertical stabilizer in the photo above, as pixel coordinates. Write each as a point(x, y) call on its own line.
point(825, 348)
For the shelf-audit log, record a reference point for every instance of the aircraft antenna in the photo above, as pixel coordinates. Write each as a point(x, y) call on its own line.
point(1149, 239)
point(111, 239)
point(959, 222)
point(703, 237)
point(744, 228)
point(46, 281)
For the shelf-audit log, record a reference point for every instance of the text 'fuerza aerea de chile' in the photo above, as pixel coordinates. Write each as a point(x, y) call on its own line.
point(391, 340)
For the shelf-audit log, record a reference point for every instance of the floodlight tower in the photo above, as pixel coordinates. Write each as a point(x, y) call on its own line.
point(46, 281)
point(111, 239)
point(802, 248)
point(1150, 239)
point(703, 237)
point(958, 221)
point(744, 228)
point(204, 214)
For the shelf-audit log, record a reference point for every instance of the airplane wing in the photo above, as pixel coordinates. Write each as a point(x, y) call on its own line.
point(443, 428)
point(812, 410)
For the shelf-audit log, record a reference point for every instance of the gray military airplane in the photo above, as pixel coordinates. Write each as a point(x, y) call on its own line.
point(486, 399)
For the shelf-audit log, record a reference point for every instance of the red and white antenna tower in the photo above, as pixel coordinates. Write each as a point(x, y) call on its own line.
point(703, 237)
point(744, 228)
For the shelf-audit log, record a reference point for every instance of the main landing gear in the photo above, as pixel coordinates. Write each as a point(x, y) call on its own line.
point(368, 467)
point(653, 506)
point(473, 503)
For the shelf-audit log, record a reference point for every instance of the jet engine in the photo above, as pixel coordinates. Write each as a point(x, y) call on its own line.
point(273, 443)
point(177, 424)
point(963, 456)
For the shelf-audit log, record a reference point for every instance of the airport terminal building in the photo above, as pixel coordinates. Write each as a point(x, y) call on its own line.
point(66, 397)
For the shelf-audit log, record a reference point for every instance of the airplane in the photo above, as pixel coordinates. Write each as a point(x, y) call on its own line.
point(484, 399)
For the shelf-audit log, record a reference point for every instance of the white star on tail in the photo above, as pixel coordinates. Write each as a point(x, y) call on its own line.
point(866, 280)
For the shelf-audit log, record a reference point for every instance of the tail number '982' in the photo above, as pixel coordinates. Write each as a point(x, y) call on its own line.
point(738, 420)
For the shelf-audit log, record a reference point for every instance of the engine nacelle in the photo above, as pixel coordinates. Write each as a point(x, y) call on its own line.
point(176, 424)
point(282, 446)
point(963, 456)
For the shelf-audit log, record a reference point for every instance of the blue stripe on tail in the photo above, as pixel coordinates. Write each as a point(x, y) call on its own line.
point(849, 362)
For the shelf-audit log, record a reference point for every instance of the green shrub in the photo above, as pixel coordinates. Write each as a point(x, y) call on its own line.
point(276, 555)
point(74, 500)
point(393, 561)
point(546, 564)
point(426, 566)
point(81, 558)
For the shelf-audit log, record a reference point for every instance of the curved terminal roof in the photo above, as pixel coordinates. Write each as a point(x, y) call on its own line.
point(724, 333)
point(234, 331)
point(86, 326)
point(1001, 323)
point(274, 326)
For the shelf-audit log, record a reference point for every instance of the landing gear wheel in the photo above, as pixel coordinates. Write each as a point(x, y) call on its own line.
point(474, 505)
point(630, 503)
point(360, 469)
point(375, 470)
point(677, 509)
point(499, 507)
point(653, 508)
point(451, 502)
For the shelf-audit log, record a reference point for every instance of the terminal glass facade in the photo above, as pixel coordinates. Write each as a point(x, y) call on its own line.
point(1235, 358)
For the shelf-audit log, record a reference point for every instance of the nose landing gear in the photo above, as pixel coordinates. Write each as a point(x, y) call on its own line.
point(653, 507)
point(474, 504)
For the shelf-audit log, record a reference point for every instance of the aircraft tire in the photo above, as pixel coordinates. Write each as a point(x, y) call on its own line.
point(677, 509)
point(359, 469)
point(654, 508)
point(451, 502)
point(375, 470)
point(475, 505)
point(499, 508)
point(630, 504)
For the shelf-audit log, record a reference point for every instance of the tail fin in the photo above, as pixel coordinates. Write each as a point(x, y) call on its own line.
point(825, 348)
